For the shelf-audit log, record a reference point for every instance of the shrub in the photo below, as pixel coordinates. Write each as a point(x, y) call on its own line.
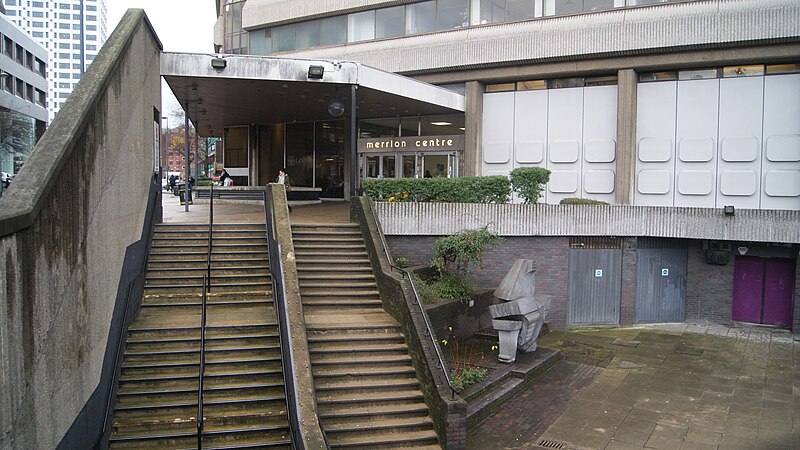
point(425, 291)
point(455, 254)
point(401, 262)
point(491, 189)
point(203, 182)
point(529, 182)
point(464, 377)
point(580, 201)
point(453, 287)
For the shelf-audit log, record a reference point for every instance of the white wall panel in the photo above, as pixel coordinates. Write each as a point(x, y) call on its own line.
point(655, 149)
point(498, 133)
point(599, 142)
point(530, 131)
point(781, 159)
point(565, 139)
point(740, 129)
point(697, 116)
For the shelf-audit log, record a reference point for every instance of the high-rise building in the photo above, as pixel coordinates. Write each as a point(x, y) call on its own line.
point(72, 32)
point(23, 98)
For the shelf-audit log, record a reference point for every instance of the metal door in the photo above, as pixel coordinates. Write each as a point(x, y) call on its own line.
point(594, 286)
point(763, 290)
point(660, 285)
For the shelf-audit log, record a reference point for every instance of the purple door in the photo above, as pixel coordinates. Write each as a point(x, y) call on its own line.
point(762, 290)
point(778, 290)
point(748, 289)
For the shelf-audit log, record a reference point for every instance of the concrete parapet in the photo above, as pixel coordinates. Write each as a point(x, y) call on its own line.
point(78, 203)
point(304, 382)
point(448, 411)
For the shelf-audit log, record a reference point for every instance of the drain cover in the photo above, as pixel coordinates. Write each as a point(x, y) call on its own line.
point(546, 443)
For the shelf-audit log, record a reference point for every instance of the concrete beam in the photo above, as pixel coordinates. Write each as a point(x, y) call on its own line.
point(626, 137)
point(473, 125)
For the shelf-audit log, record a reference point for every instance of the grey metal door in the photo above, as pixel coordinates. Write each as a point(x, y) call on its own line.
point(594, 286)
point(660, 285)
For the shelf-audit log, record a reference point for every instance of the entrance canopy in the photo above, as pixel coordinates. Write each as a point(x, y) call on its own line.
point(230, 90)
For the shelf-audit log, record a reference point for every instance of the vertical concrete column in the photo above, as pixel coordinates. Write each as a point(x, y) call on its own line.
point(796, 312)
point(627, 298)
point(473, 125)
point(626, 136)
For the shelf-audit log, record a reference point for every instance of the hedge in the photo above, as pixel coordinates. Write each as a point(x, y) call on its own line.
point(580, 201)
point(529, 182)
point(491, 189)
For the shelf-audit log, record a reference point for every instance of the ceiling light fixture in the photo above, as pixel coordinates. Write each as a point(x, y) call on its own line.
point(441, 124)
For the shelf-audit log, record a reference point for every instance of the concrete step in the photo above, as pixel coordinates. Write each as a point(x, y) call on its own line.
point(262, 379)
point(312, 303)
point(202, 255)
point(365, 386)
point(152, 373)
point(261, 276)
point(148, 432)
point(167, 347)
point(388, 439)
point(188, 397)
point(229, 286)
point(165, 360)
point(341, 431)
point(214, 299)
point(337, 336)
point(361, 372)
point(301, 247)
point(370, 292)
point(201, 263)
point(308, 261)
point(356, 348)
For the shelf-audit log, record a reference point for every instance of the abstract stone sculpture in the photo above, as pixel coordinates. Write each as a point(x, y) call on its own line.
point(520, 318)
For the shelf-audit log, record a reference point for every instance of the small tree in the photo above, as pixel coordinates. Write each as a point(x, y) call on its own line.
point(455, 254)
point(529, 182)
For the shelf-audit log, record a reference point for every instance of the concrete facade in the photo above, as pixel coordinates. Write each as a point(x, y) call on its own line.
point(79, 201)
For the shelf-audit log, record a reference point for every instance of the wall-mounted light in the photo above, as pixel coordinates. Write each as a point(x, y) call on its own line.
point(730, 210)
point(219, 63)
point(316, 72)
point(336, 107)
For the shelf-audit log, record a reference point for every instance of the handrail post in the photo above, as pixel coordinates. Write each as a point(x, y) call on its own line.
point(202, 369)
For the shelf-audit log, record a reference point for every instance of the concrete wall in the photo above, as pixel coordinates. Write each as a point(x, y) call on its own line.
point(590, 220)
point(75, 206)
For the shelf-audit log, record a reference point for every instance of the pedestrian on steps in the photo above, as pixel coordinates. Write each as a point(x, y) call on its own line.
point(283, 178)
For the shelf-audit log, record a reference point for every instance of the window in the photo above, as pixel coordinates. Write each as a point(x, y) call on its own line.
point(63, 55)
point(63, 6)
point(63, 75)
point(742, 71)
point(8, 84)
point(76, 46)
point(41, 98)
point(38, 34)
point(8, 47)
point(29, 60)
point(20, 54)
point(38, 4)
point(28, 92)
point(697, 74)
point(91, 27)
point(20, 88)
point(390, 22)
point(63, 65)
point(333, 30)
point(76, 56)
point(63, 45)
point(282, 38)
point(307, 34)
point(91, 8)
point(63, 35)
point(64, 16)
point(37, 14)
point(420, 17)
point(91, 18)
point(76, 76)
point(11, 12)
point(361, 26)
point(64, 26)
point(76, 17)
point(91, 37)
point(63, 94)
point(76, 66)
point(452, 14)
point(91, 47)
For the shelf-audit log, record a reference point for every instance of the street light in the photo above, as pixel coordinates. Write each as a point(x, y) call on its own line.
point(166, 146)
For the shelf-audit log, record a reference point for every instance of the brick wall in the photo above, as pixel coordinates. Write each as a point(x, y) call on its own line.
point(551, 255)
point(709, 287)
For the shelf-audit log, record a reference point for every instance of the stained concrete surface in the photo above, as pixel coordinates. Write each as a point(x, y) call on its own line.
point(669, 386)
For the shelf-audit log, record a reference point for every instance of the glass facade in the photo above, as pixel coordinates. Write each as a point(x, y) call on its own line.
point(17, 139)
point(236, 39)
point(420, 17)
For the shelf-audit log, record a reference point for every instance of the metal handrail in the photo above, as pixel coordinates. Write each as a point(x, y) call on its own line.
point(202, 367)
point(210, 236)
point(428, 327)
point(155, 185)
point(284, 331)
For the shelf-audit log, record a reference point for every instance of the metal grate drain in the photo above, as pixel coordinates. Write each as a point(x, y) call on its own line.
point(546, 443)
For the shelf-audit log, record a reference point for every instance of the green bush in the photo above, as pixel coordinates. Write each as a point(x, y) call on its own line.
point(453, 287)
point(529, 182)
point(464, 377)
point(455, 254)
point(580, 201)
point(203, 182)
point(491, 189)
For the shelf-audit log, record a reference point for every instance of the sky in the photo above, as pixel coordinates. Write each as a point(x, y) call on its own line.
point(181, 25)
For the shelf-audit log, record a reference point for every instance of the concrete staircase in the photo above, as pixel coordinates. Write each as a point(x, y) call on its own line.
point(367, 391)
point(244, 397)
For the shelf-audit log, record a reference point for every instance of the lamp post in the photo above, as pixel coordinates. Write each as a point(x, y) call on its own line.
point(166, 147)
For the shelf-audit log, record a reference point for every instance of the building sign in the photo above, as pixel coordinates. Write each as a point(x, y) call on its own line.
point(411, 144)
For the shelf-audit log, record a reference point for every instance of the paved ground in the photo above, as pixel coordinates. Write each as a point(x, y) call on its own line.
point(676, 386)
point(174, 212)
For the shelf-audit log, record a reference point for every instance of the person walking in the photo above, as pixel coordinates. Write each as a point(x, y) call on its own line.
point(283, 178)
